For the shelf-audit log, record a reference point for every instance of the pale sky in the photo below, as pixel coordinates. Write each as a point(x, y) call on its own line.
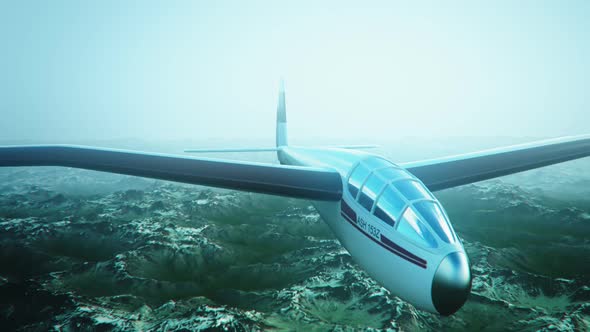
point(81, 70)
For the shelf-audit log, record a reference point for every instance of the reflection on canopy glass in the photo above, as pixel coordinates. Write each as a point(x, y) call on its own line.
point(411, 226)
point(412, 190)
point(389, 206)
point(436, 219)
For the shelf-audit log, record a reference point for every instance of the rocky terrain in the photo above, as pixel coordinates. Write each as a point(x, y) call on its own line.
point(88, 251)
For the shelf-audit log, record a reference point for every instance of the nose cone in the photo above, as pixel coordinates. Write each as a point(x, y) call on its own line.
point(451, 284)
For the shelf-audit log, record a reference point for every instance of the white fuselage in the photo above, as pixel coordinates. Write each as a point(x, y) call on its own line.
point(404, 267)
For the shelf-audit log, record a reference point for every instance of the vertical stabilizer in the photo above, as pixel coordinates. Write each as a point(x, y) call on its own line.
point(281, 117)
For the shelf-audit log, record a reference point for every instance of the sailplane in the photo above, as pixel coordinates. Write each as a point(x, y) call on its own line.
point(383, 213)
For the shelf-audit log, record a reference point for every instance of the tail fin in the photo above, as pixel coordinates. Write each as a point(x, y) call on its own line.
point(281, 117)
point(281, 138)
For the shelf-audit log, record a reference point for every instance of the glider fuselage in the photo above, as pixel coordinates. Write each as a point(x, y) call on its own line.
point(404, 254)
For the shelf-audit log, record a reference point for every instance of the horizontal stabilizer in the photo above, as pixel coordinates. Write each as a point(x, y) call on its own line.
point(355, 147)
point(351, 147)
point(292, 181)
point(231, 150)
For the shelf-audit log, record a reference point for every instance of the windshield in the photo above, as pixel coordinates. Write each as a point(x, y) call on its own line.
point(411, 226)
point(397, 198)
point(435, 217)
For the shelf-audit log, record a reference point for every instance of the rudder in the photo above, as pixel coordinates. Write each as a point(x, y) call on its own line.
point(281, 138)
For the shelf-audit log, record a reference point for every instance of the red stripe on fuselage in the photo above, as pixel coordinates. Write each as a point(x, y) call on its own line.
point(388, 244)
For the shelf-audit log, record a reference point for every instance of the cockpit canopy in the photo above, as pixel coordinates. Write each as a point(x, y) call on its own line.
point(396, 197)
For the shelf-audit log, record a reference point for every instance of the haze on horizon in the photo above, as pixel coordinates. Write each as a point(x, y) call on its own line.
point(76, 71)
